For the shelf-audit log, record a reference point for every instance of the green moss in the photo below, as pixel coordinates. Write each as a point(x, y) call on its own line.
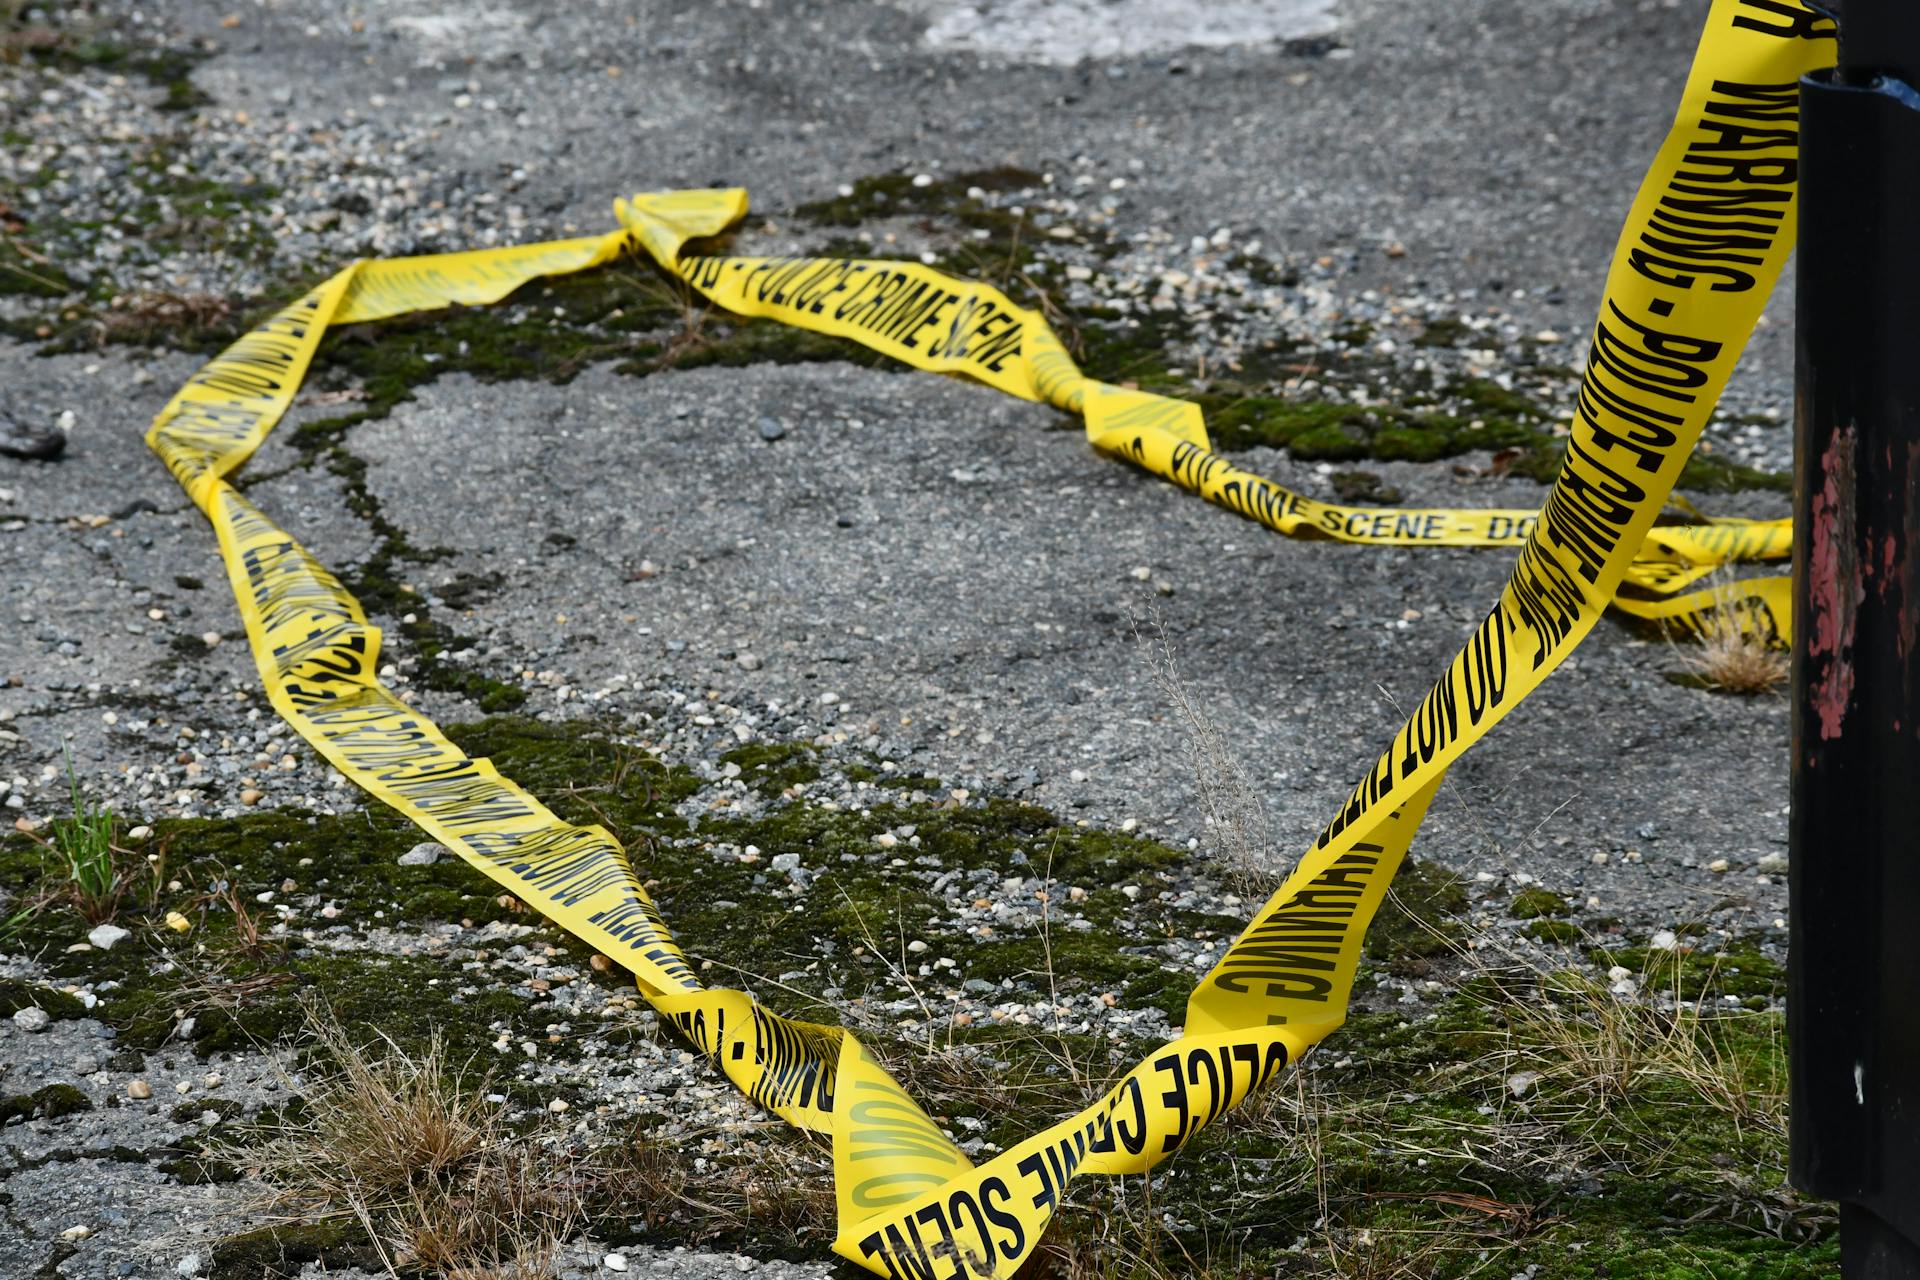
point(1418, 921)
point(861, 910)
point(974, 238)
point(408, 999)
point(56, 1257)
point(1537, 902)
point(1705, 1253)
point(773, 767)
point(1447, 331)
point(1368, 1179)
point(431, 641)
point(350, 862)
point(47, 1103)
point(734, 342)
point(1703, 473)
point(1364, 486)
point(1710, 473)
point(891, 194)
point(548, 330)
point(1124, 348)
point(24, 271)
point(910, 782)
point(1071, 961)
point(865, 901)
point(582, 773)
point(1475, 415)
point(1737, 969)
point(197, 1168)
point(281, 1252)
point(1654, 1175)
point(168, 69)
point(1563, 932)
point(16, 994)
point(192, 1109)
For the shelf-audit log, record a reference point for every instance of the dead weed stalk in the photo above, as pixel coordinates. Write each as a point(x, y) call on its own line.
point(1237, 832)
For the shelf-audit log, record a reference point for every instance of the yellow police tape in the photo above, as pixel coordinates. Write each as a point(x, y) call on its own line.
point(1705, 239)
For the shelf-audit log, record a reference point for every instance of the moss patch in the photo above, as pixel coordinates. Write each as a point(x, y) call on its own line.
point(170, 70)
point(1535, 903)
point(237, 992)
point(274, 1253)
point(47, 1103)
point(773, 767)
point(1419, 920)
point(1738, 968)
point(16, 995)
point(1561, 932)
point(1411, 1158)
point(1364, 486)
point(25, 270)
point(982, 240)
point(1407, 1107)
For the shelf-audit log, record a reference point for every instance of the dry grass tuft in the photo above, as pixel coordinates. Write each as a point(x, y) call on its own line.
point(1603, 1050)
point(1736, 653)
point(409, 1146)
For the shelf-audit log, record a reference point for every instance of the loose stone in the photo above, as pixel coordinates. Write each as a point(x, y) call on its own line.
point(104, 936)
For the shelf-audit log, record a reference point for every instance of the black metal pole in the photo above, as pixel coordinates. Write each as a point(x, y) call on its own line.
point(1853, 1002)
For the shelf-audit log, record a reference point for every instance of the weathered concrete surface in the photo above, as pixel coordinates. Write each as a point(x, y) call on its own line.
point(949, 564)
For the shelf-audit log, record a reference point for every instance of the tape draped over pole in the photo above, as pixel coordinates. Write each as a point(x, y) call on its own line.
point(1705, 239)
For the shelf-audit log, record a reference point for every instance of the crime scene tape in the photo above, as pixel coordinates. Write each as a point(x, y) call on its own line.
point(1706, 237)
